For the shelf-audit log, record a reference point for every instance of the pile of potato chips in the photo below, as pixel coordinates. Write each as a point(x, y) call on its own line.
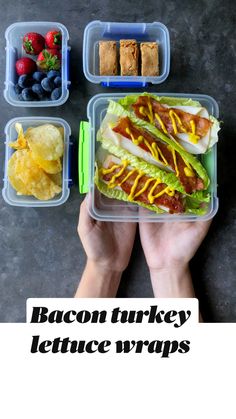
point(35, 168)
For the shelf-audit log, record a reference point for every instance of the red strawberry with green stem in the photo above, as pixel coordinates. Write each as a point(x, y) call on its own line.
point(53, 39)
point(33, 43)
point(49, 59)
point(25, 65)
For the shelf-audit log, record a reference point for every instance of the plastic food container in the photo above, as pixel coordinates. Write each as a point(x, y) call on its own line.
point(97, 31)
point(14, 50)
point(107, 209)
point(9, 194)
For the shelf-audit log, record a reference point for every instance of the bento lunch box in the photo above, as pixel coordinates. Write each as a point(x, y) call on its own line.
point(14, 50)
point(97, 31)
point(9, 194)
point(107, 209)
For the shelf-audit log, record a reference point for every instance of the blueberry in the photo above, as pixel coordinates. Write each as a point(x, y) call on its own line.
point(57, 81)
point(38, 76)
point(28, 94)
point(20, 97)
point(38, 90)
point(47, 84)
point(52, 74)
point(18, 89)
point(24, 81)
point(56, 93)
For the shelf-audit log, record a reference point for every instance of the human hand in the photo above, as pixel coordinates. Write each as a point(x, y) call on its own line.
point(168, 248)
point(108, 244)
point(171, 244)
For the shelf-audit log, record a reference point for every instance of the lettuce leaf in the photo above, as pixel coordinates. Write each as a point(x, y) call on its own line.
point(214, 131)
point(117, 109)
point(193, 206)
point(127, 101)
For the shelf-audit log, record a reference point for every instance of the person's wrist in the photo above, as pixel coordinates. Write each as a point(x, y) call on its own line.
point(98, 281)
point(174, 268)
point(172, 281)
point(103, 268)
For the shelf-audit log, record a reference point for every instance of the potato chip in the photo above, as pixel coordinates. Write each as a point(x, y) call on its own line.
point(45, 141)
point(56, 178)
point(49, 166)
point(21, 142)
point(38, 183)
point(36, 167)
point(61, 129)
point(13, 173)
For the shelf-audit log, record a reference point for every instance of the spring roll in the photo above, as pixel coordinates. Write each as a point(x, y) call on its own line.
point(108, 58)
point(149, 59)
point(129, 57)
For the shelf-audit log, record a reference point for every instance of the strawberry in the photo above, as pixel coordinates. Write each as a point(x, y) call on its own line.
point(49, 59)
point(53, 39)
point(33, 43)
point(25, 65)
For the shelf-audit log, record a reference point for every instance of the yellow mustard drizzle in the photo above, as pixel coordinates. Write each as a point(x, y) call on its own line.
point(192, 135)
point(169, 191)
point(188, 169)
point(110, 170)
point(127, 176)
point(161, 123)
point(136, 141)
point(147, 112)
point(151, 197)
point(144, 188)
point(188, 172)
point(174, 159)
point(142, 111)
point(111, 184)
point(150, 115)
point(134, 186)
point(153, 148)
point(174, 117)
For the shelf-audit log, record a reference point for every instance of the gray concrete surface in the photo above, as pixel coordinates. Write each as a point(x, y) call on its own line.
point(40, 253)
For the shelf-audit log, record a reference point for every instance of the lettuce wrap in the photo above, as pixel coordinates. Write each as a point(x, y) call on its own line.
point(111, 141)
point(186, 107)
point(174, 203)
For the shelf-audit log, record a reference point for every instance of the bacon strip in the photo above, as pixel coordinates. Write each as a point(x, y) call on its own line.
point(173, 203)
point(190, 183)
point(202, 124)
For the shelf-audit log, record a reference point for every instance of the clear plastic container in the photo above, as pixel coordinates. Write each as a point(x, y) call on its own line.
point(9, 194)
point(14, 50)
point(97, 31)
point(107, 209)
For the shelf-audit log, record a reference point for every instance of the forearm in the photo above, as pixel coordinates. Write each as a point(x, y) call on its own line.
point(98, 282)
point(172, 282)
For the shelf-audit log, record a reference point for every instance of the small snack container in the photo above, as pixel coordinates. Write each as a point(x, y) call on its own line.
point(9, 194)
point(97, 31)
point(14, 50)
point(107, 209)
